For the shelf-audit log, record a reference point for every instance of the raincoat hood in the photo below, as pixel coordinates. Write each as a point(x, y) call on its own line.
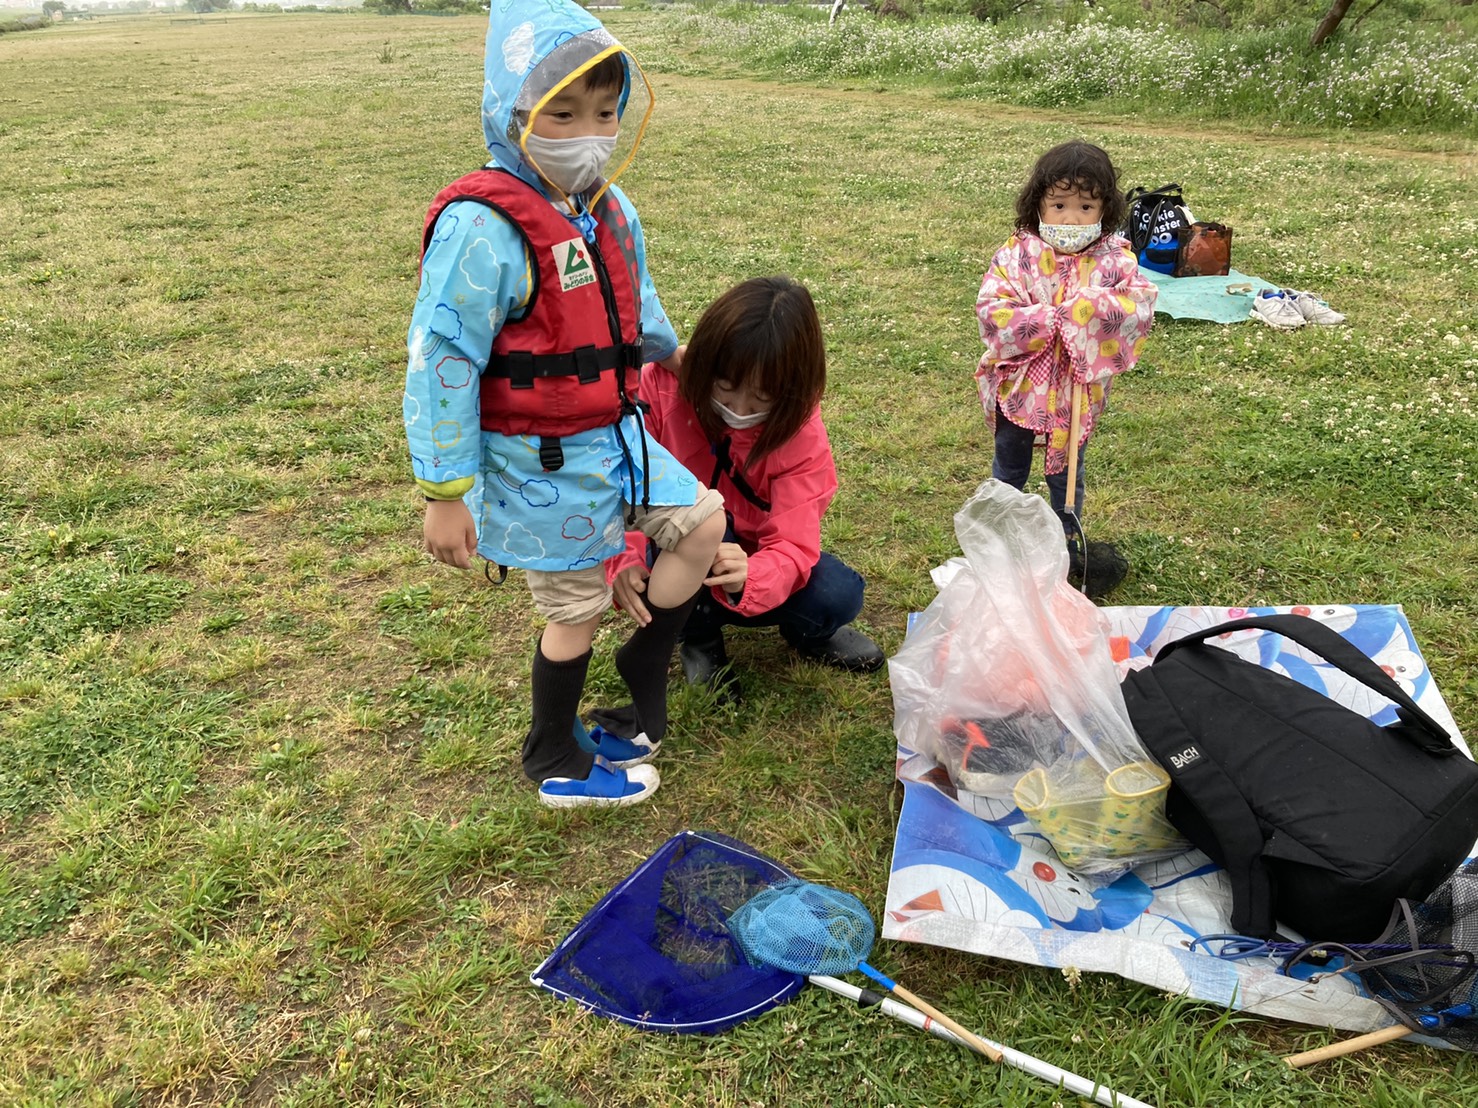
point(534, 49)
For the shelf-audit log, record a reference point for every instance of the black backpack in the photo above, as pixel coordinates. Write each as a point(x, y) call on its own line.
point(1321, 818)
point(1154, 225)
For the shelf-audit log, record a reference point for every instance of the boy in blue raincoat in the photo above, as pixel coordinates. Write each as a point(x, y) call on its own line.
point(534, 316)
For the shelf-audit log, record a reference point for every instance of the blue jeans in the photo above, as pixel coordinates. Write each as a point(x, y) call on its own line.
point(829, 600)
point(1013, 464)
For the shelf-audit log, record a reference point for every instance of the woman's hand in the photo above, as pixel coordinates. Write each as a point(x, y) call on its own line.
point(629, 586)
point(449, 533)
point(730, 568)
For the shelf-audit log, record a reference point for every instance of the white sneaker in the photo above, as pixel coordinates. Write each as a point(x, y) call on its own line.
point(1276, 308)
point(1313, 309)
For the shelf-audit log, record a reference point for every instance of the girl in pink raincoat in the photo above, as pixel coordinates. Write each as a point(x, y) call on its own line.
point(1063, 302)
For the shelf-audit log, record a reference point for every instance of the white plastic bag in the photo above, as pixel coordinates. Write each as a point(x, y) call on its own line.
point(1007, 681)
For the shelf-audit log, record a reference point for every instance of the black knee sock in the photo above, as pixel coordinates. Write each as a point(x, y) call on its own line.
point(550, 749)
point(642, 664)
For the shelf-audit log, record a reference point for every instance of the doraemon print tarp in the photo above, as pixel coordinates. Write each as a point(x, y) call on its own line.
point(970, 874)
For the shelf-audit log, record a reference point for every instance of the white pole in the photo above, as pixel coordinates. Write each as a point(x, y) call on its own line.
point(1025, 1062)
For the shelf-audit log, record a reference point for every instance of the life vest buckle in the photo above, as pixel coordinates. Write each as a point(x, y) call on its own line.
point(587, 364)
point(520, 364)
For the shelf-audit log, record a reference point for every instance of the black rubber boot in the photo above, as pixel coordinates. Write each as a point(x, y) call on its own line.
point(702, 658)
point(706, 662)
point(847, 649)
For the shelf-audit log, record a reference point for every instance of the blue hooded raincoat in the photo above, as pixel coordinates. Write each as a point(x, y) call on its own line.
point(474, 275)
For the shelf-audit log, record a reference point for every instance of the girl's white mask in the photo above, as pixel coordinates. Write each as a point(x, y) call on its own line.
point(572, 164)
point(736, 421)
point(1070, 239)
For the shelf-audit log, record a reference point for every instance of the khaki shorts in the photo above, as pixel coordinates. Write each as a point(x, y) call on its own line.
point(576, 595)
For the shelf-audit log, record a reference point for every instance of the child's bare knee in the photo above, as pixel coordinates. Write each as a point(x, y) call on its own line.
point(709, 533)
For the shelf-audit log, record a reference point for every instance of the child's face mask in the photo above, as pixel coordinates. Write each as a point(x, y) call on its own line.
point(734, 419)
point(571, 164)
point(1071, 218)
point(1070, 238)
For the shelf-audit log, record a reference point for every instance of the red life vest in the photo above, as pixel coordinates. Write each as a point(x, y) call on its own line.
point(568, 363)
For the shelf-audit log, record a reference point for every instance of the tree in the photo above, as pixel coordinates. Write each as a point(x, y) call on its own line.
point(1330, 23)
point(51, 7)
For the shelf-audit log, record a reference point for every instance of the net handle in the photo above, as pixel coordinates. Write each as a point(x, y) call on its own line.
point(974, 1040)
point(1349, 1046)
point(1092, 1090)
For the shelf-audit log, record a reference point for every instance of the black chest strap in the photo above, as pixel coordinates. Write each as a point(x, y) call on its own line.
point(587, 363)
point(723, 465)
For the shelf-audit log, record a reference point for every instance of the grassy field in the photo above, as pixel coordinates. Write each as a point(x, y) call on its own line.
point(263, 838)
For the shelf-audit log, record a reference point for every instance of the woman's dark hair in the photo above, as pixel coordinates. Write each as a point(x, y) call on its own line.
point(609, 73)
point(1079, 165)
point(763, 333)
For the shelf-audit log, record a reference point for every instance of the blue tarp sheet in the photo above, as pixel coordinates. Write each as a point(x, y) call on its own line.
point(1206, 297)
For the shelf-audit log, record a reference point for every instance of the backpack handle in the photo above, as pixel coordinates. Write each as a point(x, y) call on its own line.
point(1138, 231)
point(1139, 191)
point(1416, 726)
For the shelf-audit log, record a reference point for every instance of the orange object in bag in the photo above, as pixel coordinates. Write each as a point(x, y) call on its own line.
point(1205, 251)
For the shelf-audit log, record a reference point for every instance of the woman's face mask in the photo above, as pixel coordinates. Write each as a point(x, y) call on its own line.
point(571, 164)
point(735, 420)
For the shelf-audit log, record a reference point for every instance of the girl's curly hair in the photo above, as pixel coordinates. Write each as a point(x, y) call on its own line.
point(1076, 164)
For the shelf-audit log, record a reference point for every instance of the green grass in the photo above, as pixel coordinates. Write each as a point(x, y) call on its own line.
point(263, 837)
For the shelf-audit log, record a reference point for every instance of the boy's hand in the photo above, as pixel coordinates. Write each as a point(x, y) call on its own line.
point(730, 568)
point(449, 533)
point(628, 587)
point(674, 361)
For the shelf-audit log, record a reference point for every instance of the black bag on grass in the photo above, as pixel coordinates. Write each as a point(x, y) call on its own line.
point(1156, 221)
point(1321, 818)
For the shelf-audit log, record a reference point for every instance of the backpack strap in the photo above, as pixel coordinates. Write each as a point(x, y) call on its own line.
point(1416, 726)
point(1201, 784)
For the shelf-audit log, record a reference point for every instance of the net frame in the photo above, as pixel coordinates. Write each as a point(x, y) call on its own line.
point(656, 953)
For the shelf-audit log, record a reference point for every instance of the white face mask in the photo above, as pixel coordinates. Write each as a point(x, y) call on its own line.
point(736, 421)
point(572, 164)
point(1069, 238)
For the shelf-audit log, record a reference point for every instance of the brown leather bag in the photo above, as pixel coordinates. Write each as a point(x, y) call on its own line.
point(1205, 251)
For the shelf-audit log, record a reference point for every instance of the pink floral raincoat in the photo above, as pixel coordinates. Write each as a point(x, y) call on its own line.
point(1049, 320)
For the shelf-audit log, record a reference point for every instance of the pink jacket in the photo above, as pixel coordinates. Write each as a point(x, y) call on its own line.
point(1049, 320)
point(798, 481)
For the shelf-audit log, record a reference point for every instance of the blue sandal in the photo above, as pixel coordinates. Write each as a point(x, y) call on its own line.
point(605, 787)
point(620, 752)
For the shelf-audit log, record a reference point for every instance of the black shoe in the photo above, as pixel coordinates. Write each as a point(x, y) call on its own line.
point(848, 649)
point(705, 662)
point(1106, 569)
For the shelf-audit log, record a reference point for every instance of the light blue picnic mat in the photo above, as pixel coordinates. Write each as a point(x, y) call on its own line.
point(1205, 297)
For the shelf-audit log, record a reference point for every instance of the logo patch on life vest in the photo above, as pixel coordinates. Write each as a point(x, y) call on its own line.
point(572, 260)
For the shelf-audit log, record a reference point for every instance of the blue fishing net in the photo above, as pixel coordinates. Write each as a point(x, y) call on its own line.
point(656, 951)
point(804, 928)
